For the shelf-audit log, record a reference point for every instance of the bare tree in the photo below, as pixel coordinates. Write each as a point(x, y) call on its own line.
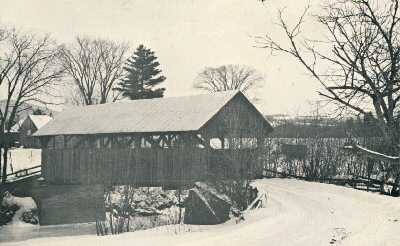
point(357, 63)
point(228, 77)
point(28, 68)
point(94, 65)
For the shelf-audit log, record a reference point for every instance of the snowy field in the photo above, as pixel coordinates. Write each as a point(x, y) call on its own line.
point(20, 158)
point(297, 213)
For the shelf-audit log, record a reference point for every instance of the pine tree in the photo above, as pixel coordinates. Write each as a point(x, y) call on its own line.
point(142, 76)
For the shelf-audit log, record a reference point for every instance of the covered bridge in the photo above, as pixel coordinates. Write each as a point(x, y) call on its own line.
point(153, 142)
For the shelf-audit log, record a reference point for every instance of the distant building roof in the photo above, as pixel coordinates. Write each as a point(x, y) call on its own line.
point(15, 128)
point(173, 114)
point(40, 120)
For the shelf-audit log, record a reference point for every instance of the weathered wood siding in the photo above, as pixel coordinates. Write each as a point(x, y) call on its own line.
point(25, 131)
point(147, 167)
point(238, 118)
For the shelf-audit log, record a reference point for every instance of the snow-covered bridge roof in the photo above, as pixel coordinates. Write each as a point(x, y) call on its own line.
point(173, 114)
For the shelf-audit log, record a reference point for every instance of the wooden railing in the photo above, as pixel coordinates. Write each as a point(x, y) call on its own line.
point(24, 173)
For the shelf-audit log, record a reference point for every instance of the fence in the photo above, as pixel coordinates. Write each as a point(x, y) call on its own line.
point(147, 167)
point(23, 173)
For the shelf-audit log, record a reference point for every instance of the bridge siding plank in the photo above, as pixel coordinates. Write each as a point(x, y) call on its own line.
point(138, 166)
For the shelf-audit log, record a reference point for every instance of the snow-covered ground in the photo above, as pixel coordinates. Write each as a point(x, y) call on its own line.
point(297, 213)
point(20, 158)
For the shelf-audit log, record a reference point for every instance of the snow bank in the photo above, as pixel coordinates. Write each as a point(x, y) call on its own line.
point(20, 158)
point(24, 203)
point(296, 213)
point(27, 208)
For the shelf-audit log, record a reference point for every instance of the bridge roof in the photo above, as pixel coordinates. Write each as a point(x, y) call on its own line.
point(170, 114)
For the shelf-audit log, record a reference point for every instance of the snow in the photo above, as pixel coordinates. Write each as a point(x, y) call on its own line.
point(40, 120)
point(15, 128)
point(377, 153)
point(368, 151)
point(24, 204)
point(148, 115)
point(296, 213)
point(20, 158)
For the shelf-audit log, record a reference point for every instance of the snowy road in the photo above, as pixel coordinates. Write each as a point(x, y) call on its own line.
point(297, 213)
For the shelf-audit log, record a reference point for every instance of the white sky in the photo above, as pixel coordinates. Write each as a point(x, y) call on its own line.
point(186, 35)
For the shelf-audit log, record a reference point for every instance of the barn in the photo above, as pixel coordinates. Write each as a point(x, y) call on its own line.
point(154, 142)
point(30, 125)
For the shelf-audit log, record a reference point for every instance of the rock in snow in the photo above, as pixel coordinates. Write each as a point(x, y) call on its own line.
point(205, 206)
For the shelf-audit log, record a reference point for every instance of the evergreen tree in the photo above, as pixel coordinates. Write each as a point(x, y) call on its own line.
point(142, 76)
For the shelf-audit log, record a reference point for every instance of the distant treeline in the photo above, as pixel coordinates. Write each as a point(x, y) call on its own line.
point(327, 128)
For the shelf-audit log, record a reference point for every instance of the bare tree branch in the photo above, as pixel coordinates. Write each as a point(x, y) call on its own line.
point(360, 70)
point(28, 67)
point(94, 65)
point(228, 77)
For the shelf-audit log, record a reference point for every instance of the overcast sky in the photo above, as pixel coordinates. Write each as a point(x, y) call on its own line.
point(186, 35)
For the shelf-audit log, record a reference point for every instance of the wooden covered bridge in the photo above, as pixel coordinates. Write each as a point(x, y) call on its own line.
point(153, 142)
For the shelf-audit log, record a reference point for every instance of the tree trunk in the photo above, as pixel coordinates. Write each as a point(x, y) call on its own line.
point(5, 160)
point(1, 172)
point(180, 204)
